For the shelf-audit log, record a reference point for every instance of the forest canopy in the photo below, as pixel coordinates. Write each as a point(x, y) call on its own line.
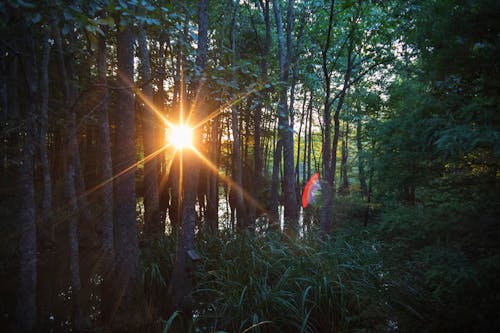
point(249, 166)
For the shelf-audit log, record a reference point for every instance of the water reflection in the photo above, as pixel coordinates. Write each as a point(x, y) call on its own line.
point(261, 225)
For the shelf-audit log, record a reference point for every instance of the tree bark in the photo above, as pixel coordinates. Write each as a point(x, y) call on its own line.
point(309, 140)
point(47, 226)
point(181, 283)
point(237, 187)
point(344, 187)
point(327, 116)
point(152, 222)
point(284, 127)
point(105, 176)
point(128, 308)
point(341, 98)
point(361, 159)
point(70, 161)
point(306, 164)
point(257, 115)
point(213, 179)
point(326, 218)
point(26, 311)
point(302, 116)
point(47, 254)
point(275, 180)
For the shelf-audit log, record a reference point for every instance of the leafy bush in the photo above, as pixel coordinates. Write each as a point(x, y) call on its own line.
point(445, 266)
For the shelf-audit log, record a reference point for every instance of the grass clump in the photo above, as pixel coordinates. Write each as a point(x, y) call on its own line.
point(267, 284)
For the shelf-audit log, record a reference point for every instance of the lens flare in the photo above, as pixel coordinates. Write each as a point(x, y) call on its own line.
point(311, 190)
point(180, 137)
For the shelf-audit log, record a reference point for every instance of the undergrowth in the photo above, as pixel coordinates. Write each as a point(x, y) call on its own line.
point(413, 269)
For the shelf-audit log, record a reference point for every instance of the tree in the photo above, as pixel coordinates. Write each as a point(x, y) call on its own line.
point(128, 308)
point(284, 127)
point(105, 176)
point(26, 312)
point(236, 188)
point(152, 222)
point(181, 283)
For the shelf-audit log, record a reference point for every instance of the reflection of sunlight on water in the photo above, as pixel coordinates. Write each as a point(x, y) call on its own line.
point(224, 217)
point(139, 208)
point(224, 213)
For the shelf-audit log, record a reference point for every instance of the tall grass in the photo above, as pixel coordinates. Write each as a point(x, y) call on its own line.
point(269, 284)
point(414, 270)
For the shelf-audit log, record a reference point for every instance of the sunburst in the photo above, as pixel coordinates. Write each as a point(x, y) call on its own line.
point(180, 137)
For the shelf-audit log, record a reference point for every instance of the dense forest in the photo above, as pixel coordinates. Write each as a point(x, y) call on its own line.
point(250, 166)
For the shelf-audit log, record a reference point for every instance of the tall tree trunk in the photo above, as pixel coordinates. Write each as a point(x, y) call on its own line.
point(179, 101)
point(284, 127)
point(361, 159)
point(306, 164)
point(213, 179)
point(257, 115)
point(70, 156)
point(336, 116)
point(275, 180)
point(128, 308)
point(47, 226)
point(181, 283)
point(302, 116)
point(71, 197)
point(344, 187)
point(342, 95)
point(160, 98)
point(26, 311)
point(327, 208)
point(327, 116)
point(86, 234)
point(152, 222)
point(105, 176)
point(328, 187)
point(370, 189)
point(309, 140)
point(237, 188)
point(47, 231)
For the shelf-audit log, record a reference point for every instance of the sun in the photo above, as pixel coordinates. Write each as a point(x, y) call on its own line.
point(180, 136)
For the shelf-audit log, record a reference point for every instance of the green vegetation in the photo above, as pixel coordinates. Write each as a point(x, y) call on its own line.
point(108, 224)
point(416, 269)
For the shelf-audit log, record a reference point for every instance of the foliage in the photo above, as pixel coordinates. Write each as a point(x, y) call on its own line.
point(266, 283)
point(424, 96)
point(443, 262)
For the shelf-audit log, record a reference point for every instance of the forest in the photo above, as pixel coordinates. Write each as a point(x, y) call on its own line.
point(250, 166)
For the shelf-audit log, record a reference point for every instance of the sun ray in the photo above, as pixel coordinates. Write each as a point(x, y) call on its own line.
point(148, 102)
point(153, 108)
point(181, 123)
point(180, 192)
point(181, 94)
point(164, 178)
point(224, 107)
point(229, 181)
point(126, 170)
point(194, 106)
point(181, 137)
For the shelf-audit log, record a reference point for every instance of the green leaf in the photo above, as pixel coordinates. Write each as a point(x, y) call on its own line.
point(108, 21)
